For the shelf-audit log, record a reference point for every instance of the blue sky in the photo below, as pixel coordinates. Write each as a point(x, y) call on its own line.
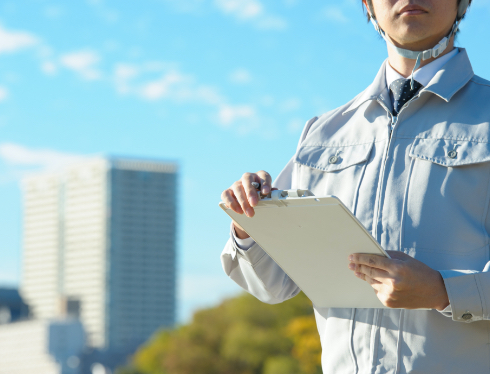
point(220, 86)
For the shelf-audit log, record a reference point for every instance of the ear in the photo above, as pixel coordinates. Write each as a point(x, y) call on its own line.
point(366, 5)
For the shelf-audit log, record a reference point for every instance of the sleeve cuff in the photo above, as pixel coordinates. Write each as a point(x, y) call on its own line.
point(252, 254)
point(447, 312)
point(243, 244)
point(465, 299)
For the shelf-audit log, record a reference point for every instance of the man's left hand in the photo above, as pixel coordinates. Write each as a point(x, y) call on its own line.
point(402, 281)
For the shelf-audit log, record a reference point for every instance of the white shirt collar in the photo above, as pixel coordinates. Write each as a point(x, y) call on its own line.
point(425, 73)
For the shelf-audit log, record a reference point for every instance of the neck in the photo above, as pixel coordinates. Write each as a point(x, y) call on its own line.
point(404, 66)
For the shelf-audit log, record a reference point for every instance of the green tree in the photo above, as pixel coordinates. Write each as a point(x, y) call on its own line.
point(241, 336)
point(307, 349)
point(281, 365)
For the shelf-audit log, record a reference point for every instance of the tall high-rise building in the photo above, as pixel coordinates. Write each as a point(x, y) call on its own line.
point(100, 245)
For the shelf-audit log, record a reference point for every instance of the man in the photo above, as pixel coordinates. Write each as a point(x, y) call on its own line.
point(413, 164)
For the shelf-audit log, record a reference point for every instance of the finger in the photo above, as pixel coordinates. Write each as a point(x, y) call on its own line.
point(229, 198)
point(373, 273)
point(241, 196)
point(373, 282)
point(379, 289)
point(250, 191)
point(372, 260)
point(265, 182)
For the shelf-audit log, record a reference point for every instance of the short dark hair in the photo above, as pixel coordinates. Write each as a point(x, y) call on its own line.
point(371, 3)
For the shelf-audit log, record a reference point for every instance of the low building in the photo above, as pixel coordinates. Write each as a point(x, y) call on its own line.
point(41, 347)
point(12, 307)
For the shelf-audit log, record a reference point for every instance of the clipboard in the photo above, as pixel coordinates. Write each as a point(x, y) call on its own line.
point(310, 238)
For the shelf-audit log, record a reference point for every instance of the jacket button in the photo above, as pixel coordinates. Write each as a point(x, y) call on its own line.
point(452, 154)
point(467, 316)
point(333, 160)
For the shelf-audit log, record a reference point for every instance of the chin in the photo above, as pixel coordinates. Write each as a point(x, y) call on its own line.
point(412, 32)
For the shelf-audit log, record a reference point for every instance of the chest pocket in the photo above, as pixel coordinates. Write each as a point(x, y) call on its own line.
point(333, 170)
point(447, 196)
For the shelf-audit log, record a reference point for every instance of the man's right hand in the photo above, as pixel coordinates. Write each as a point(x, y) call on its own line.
point(241, 197)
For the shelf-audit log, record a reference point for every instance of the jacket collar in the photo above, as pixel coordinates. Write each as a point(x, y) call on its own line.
point(451, 77)
point(448, 80)
point(373, 91)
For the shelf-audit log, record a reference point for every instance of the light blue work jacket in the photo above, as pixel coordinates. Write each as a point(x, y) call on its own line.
point(421, 184)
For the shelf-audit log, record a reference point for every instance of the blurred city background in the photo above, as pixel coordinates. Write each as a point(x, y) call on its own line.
point(120, 124)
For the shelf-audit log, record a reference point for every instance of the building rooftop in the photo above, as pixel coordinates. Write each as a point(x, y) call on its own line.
point(9, 296)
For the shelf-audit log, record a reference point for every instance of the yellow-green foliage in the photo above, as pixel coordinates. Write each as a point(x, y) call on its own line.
point(240, 336)
point(307, 349)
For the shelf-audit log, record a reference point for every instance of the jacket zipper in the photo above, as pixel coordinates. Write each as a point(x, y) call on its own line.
point(377, 314)
point(393, 123)
point(394, 120)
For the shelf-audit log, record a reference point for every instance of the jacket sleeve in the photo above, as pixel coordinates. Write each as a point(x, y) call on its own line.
point(257, 273)
point(254, 270)
point(469, 290)
point(469, 293)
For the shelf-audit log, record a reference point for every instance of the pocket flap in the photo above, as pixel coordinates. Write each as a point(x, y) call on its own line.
point(333, 158)
point(450, 152)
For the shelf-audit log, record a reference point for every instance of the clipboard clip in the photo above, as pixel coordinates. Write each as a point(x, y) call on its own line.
point(277, 194)
point(281, 194)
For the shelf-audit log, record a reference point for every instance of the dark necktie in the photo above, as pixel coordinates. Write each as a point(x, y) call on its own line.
point(402, 93)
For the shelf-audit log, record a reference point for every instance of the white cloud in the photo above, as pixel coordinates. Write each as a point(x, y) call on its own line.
point(12, 41)
point(290, 105)
point(4, 93)
point(107, 14)
point(123, 74)
point(241, 9)
point(171, 83)
point(49, 68)
point(267, 101)
point(252, 11)
point(82, 62)
point(53, 11)
point(295, 125)
point(334, 13)
point(19, 155)
point(186, 6)
point(229, 114)
point(157, 81)
point(272, 23)
point(209, 95)
point(240, 76)
point(291, 3)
